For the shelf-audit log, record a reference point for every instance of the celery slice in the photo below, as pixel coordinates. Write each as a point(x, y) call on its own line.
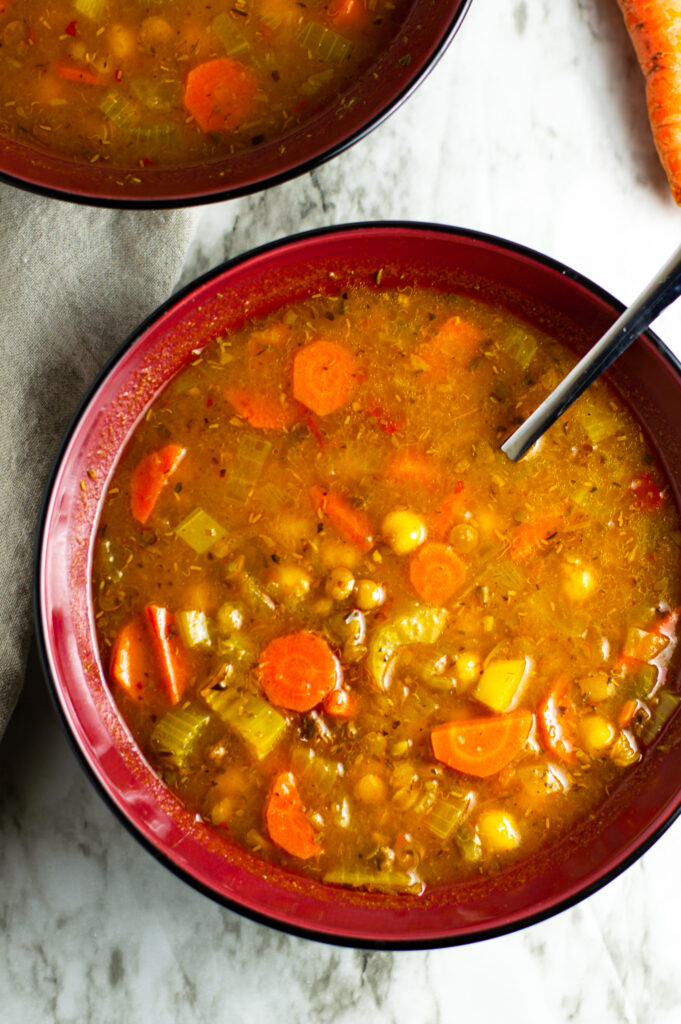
point(194, 629)
point(422, 626)
point(251, 456)
point(323, 42)
point(313, 771)
point(316, 82)
point(256, 598)
point(90, 8)
point(645, 680)
point(256, 721)
point(599, 424)
point(152, 136)
point(175, 737)
point(231, 37)
point(159, 94)
point(468, 841)
point(662, 712)
point(447, 815)
point(382, 881)
point(200, 531)
point(521, 346)
point(119, 110)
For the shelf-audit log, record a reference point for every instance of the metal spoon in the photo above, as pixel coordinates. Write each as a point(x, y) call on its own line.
point(660, 293)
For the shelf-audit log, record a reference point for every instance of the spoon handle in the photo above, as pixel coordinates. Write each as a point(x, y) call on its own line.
point(662, 290)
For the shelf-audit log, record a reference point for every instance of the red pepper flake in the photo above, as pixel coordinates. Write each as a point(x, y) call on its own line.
point(458, 487)
point(148, 162)
point(302, 105)
point(312, 425)
point(118, 75)
point(383, 420)
point(71, 29)
point(209, 402)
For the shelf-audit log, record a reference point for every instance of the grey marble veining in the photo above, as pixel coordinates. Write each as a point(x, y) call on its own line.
point(533, 126)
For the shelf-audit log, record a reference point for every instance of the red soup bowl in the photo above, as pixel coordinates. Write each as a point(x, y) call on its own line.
point(416, 46)
point(547, 294)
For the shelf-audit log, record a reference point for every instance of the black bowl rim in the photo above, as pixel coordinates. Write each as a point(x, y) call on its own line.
point(230, 904)
point(215, 195)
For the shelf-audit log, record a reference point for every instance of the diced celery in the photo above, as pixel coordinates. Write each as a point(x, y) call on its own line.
point(316, 82)
point(504, 576)
point(90, 8)
point(500, 682)
point(468, 841)
point(200, 531)
point(194, 628)
point(642, 645)
point(251, 456)
point(175, 737)
point(122, 112)
point(599, 424)
point(152, 136)
point(313, 771)
point(447, 815)
point(238, 651)
point(256, 721)
point(645, 680)
point(423, 626)
point(662, 712)
point(521, 346)
point(230, 35)
point(256, 598)
point(161, 94)
point(323, 42)
point(382, 881)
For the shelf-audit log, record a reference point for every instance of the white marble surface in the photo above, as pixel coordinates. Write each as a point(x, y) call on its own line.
point(533, 127)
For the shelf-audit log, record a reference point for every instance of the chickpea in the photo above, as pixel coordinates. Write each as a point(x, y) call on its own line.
point(369, 594)
point(498, 831)
point(230, 618)
point(122, 43)
point(340, 584)
point(597, 733)
point(404, 531)
point(370, 789)
point(578, 581)
point(464, 537)
point(289, 582)
point(156, 34)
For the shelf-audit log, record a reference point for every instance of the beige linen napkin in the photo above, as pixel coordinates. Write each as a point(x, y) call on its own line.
point(74, 281)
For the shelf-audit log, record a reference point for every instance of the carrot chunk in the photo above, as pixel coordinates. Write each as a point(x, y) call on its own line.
point(286, 822)
point(436, 573)
point(261, 409)
point(448, 511)
point(349, 15)
point(133, 665)
point(411, 465)
point(353, 525)
point(529, 537)
point(220, 94)
point(556, 721)
point(456, 343)
point(171, 658)
point(481, 746)
point(340, 703)
point(72, 73)
point(324, 376)
point(298, 671)
point(149, 478)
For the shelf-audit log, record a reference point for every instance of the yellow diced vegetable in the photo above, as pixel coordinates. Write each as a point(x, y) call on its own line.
point(642, 645)
point(597, 733)
point(498, 832)
point(200, 531)
point(500, 682)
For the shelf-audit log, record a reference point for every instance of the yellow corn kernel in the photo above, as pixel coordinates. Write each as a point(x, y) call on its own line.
point(404, 531)
point(498, 832)
point(500, 682)
point(597, 733)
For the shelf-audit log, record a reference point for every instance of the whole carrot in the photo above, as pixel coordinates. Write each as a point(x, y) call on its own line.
point(655, 30)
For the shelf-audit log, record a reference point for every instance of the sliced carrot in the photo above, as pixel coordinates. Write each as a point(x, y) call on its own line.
point(72, 73)
point(349, 15)
point(262, 409)
point(353, 525)
point(481, 746)
point(627, 712)
point(654, 31)
point(220, 94)
point(265, 343)
point(324, 376)
point(286, 822)
point(171, 657)
point(298, 671)
point(411, 465)
point(455, 344)
point(150, 477)
point(133, 665)
point(448, 511)
point(556, 721)
point(528, 537)
point(340, 703)
point(436, 573)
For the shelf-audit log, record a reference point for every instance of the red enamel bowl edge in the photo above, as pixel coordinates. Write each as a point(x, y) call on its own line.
point(423, 37)
point(648, 377)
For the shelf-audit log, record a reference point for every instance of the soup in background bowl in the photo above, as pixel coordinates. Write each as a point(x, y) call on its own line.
point(119, 103)
point(518, 671)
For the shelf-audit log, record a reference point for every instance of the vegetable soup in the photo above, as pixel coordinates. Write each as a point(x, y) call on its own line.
point(137, 84)
point(347, 631)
